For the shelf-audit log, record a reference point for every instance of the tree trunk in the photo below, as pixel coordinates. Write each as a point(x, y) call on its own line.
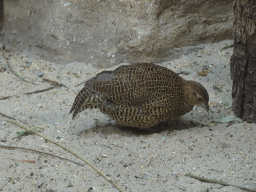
point(243, 60)
point(1, 15)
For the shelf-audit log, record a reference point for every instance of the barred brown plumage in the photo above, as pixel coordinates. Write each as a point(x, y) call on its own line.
point(140, 95)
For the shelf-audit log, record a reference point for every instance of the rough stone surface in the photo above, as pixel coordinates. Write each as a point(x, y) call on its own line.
point(107, 32)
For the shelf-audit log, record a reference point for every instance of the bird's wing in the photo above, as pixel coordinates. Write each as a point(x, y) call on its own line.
point(136, 84)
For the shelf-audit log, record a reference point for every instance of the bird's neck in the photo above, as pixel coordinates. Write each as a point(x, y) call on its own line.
point(189, 102)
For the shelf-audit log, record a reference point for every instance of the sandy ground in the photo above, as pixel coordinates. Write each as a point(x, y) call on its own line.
point(138, 161)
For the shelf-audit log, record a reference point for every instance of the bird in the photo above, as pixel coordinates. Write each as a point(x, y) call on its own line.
point(140, 95)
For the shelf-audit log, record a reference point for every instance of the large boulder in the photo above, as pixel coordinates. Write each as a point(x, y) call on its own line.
point(107, 32)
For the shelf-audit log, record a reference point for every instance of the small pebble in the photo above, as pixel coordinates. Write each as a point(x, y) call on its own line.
point(28, 64)
point(2, 69)
point(3, 139)
point(90, 189)
point(203, 73)
point(215, 87)
point(40, 74)
point(206, 67)
point(7, 49)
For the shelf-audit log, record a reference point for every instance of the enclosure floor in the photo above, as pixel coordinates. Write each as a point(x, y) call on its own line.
point(138, 161)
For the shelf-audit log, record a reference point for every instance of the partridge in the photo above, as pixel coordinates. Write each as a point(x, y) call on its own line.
point(140, 95)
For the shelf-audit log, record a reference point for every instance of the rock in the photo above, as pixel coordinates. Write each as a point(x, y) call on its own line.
point(218, 88)
point(203, 72)
point(2, 69)
point(206, 67)
point(91, 189)
point(3, 139)
point(110, 32)
point(40, 74)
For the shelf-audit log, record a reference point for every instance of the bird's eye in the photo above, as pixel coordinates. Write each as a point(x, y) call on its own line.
point(200, 99)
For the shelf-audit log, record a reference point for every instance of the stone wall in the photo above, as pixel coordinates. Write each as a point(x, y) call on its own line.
point(107, 32)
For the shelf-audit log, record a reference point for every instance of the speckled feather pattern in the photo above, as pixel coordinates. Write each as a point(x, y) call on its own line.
point(137, 95)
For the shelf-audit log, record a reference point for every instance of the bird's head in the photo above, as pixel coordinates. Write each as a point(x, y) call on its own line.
point(197, 95)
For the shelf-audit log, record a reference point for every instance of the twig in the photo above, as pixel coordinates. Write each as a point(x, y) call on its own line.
point(218, 182)
point(30, 130)
point(56, 83)
point(29, 93)
point(80, 83)
point(7, 116)
point(13, 72)
point(39, 91)
point(227, 46)
point(3, 98)
point(22, 148)
point(22, 133)
point(4, 115)
point(183, 72)
point(75, 154)
point(150, 161)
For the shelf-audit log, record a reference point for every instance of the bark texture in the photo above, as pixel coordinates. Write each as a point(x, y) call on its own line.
point(1, 15)
point(243, 60)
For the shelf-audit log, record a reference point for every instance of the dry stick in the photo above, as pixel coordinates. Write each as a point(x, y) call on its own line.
point(91, 165)
point(80, 83)
point(56, 83)
point(227, 46)
point(218, 182)
point(75, 154)
point(13, 72)
point(3, 98)
point(30, 130)
point(22, 148)
point(7, 116)
point(4, 115)
point(29, 93)
point(39, 91)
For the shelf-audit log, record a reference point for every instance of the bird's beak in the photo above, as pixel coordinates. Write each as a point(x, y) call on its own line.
point(205, 106)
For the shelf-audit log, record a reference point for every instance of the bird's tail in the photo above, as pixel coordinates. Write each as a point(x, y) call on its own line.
point(86, 99)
